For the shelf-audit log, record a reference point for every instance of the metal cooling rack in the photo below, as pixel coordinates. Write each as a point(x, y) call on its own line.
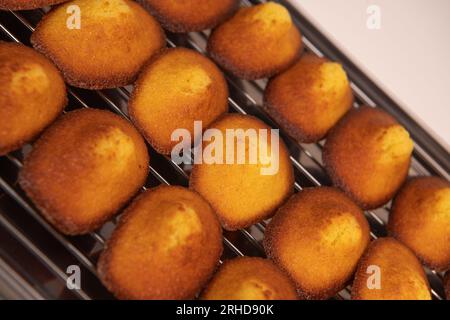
point(34, 256)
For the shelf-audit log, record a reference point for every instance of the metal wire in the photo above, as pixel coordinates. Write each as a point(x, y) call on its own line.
point(251, 103)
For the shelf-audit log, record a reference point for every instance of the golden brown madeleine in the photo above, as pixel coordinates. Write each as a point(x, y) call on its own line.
point(27, 4)
point(317, 237)
point(420, 218)
point(84, 168)
point(166, 246)
point(367, 155)
point(258, 42)
point(309, 98)
point(115, 39)
point(390, 271)
point(178, 87)
point(190, 15)
point(32, 95)
point(250, 185)
point(246, 278)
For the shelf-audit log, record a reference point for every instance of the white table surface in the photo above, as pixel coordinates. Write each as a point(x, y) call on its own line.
point(408, 57)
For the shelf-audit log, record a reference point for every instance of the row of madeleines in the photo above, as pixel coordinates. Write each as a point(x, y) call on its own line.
point(318, 238)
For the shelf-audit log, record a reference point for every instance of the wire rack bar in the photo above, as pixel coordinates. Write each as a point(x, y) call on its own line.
point(421, 161)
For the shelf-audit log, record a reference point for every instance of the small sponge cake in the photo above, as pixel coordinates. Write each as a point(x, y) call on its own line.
point(27, 4)
point(420, 218)
point(190, 15)
point(309, 98)
point(258, 42)
point(166, 246)
point(257, 180)
point(368, 155)
point(114, 40)
point(32, 95)
point(318, 237)
point(84, 168)
point(390, 271)
point(248, 278)
point(179, 87)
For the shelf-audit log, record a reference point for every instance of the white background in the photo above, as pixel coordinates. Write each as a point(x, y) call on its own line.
point(409, 57)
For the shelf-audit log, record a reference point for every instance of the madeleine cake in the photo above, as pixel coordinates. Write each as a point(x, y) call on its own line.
point(317, 237)
point(166, 246)
point(253, 176)
point(390, 271)
point(190, 15)
point(178, 87)
point(246, 278)
point(27, 4)
point(368, 155)
point(32, 95)
point(104, 45)
point(84, 168)
point(257, 42)
point(420, 218)
point(309, 98)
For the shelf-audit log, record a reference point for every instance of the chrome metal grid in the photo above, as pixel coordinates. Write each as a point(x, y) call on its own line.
point(28, 230)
